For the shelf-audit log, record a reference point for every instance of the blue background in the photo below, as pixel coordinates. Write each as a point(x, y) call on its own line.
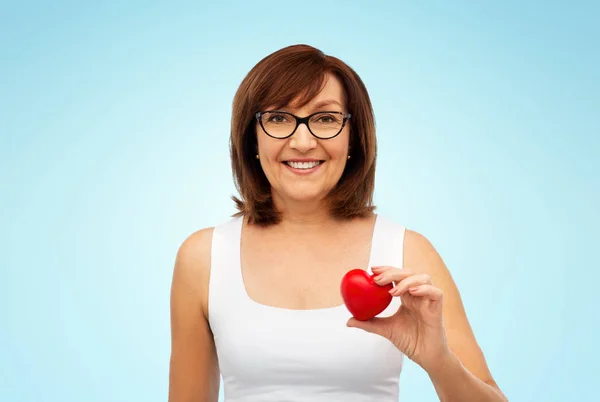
point(114, 147)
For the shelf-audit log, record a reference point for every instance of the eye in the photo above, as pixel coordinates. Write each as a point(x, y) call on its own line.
point(277, 118)
point(328, 119)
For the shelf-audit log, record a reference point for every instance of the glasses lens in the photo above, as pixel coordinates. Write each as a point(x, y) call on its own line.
point(326, 124)
point(278, 124)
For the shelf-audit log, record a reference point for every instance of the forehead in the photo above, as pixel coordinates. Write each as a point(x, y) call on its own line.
point(332, 91)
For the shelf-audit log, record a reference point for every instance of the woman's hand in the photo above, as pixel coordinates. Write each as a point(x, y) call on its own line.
point(416, 329)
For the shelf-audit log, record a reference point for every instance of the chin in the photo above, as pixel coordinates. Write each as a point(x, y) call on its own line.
point(304, 194)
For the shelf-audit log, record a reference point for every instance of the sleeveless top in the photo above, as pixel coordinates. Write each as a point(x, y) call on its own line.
point(268, 353)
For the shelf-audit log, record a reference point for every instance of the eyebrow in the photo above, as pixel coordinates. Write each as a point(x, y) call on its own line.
point(318, 105)
point(326, 102)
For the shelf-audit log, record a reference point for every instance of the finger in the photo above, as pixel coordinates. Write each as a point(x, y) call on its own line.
point(411, 281)
point(391, 274)
point(428, 291)
point(376, 325)
point(381, 268)
point(378, 270)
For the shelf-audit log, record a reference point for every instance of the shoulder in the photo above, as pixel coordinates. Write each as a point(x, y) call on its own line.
point(192, 266)
point(421, 256)
point(193, 254)
point(419, 251)
point(416, 248)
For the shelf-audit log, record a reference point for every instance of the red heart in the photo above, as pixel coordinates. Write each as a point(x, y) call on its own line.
point(363, 297)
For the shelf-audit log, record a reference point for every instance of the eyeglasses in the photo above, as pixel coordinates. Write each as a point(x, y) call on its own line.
point(323, 125)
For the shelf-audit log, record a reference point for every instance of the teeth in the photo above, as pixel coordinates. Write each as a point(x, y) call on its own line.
point(303, 165)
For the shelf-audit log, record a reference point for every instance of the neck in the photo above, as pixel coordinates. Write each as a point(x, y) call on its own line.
point(302, 216)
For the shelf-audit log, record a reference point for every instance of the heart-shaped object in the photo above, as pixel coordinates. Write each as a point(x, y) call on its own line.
point(363, 297)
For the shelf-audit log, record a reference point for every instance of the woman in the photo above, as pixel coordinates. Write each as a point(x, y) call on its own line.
point(257, 299)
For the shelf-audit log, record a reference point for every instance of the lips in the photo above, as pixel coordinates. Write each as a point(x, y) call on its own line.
point(303, 164)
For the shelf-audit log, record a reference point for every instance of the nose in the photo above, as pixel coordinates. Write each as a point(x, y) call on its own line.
point(303, 140)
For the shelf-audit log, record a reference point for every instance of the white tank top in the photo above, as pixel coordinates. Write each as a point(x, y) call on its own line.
point(269, 354)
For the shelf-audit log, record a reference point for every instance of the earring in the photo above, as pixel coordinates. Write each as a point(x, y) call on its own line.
point(257, 157)
point(348, 156)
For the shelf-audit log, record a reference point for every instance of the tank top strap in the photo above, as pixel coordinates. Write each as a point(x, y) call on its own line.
point(225, 284)
point(387, 244)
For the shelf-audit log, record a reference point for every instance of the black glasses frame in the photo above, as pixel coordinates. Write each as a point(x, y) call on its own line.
point(303, 120)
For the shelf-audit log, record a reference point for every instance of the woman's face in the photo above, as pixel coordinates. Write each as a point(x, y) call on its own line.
point(303, 167)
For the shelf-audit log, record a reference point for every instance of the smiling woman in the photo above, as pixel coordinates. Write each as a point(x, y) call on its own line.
point(257, 300)
point(295, 106)
point(299, 170)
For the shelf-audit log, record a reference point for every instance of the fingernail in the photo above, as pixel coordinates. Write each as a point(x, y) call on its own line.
point(413, 289)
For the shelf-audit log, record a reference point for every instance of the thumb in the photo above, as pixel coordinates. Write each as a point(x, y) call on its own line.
point(375, 325)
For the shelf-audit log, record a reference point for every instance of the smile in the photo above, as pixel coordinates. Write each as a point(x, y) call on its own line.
point(303, 165)
point(303, 168)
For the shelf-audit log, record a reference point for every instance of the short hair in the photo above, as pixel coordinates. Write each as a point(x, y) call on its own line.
point(299, 72)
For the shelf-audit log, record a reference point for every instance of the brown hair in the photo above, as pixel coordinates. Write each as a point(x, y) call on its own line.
point(299, 71)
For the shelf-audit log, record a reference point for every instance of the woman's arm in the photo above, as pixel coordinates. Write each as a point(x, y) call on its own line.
point(464, 375)
point(194, 372)
point(453, 382)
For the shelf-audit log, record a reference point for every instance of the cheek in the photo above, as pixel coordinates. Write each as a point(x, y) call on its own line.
point(266, 147)
point(339, 149)
point(269, 152)
point(341, 146)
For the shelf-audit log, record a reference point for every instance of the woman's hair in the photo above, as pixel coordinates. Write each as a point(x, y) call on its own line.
point(298, 73)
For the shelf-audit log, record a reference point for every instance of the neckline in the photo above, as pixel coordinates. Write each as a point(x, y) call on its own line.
point(249, 300)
